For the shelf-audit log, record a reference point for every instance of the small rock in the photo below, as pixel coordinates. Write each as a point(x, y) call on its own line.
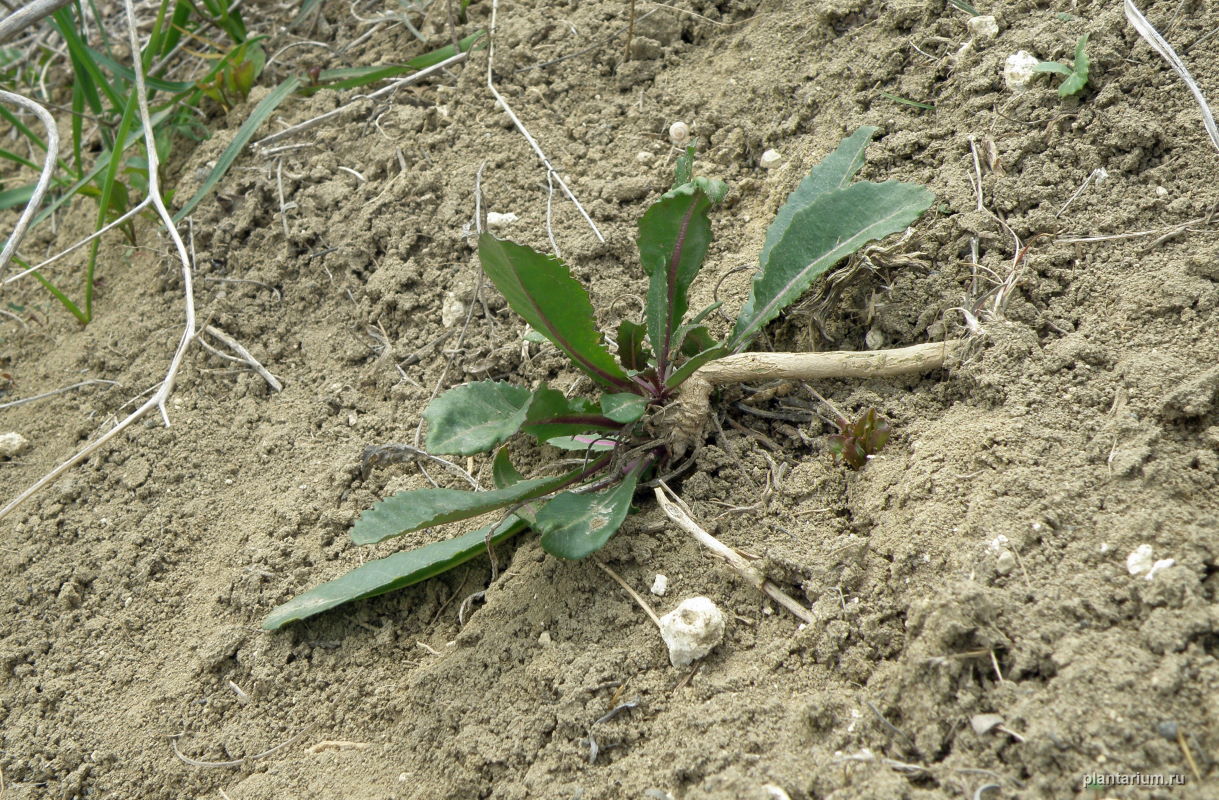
point(12, 444)
point(770, 159)
point(660, 585)
point(874, 339)
point(498, 220)
point(644, 157)
point(646, 49)
point(629, 189)
point(452, 310)
point(692, 630)
point(1139, 560)
point(983, 27)
point(544, 639)
point(1005, 562)
point(985, 723)
point(1018, 70)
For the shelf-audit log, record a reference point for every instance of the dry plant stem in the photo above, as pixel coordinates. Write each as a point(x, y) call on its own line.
point(682, 518)
point(318, 120)
point(44, 180)
point(520, 126)
point(1158, 43)
point(233, 345)
point(647, 609)
point(99, 232)
point(695, 407)
point(54, 392)
point(27, 15)
point(166, 387)
point(173, 741)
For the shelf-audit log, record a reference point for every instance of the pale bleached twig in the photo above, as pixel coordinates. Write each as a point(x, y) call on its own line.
point(647, 609)
point(27, 15)
point(236, 347)
point(398, 84)
point(137, 208)
point(53, 392)
point(44, 179)
point(166, 387)
point(676, 512)
point(1161, 46)
point(194, 762)
point(520, 126)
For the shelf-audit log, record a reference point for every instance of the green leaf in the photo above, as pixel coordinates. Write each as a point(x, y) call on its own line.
point(835, 171)
point(541, 289)
point(422, 508)
point(576, 525)
point(502, 471)
point(623, 407)
point(694, 339)
point(632, 350)
point(257, 117)
point(820, 234)
point(674, 234)
point(1053, 66)
point(692, 364)
point(582, 443)
point(393, 572)
point(475, 417)
point(683, 172)
point(550, 414)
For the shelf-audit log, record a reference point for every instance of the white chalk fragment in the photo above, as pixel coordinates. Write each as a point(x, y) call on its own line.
point(1018, 70)
point(1162, 564)
point(983, 27)
point(770, 159)
point(12, 444)
point(660, 585)
point(452, 310)
point(692, 630)
point(1139, 561)
point(498, 220)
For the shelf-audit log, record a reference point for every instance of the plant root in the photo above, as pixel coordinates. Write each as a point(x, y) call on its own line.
point(694, 407)
point(675, 511)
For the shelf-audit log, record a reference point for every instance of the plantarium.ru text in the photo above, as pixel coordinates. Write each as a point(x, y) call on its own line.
point(630, 433)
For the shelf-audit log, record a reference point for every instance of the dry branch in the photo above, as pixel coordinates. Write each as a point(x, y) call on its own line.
point(27, 15)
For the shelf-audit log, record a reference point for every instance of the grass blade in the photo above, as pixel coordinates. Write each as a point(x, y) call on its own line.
point(258, 116)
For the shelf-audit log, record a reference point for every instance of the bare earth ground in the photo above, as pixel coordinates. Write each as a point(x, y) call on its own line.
point(1082, 425)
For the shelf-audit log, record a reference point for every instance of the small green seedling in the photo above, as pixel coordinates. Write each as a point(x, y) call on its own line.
point(856, 441)
point(625, 434)
point(1076, 74)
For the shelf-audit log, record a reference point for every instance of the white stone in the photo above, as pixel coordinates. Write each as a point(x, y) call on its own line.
point(1018, 70)
point(692, 630)
point(1139, 560)
point(452, 310)
point(1162, 564)
point(12, 444)
point(498, 220)
point(679, 133)
point(770, 159)
point(643, 157)
point(1005, 562)
point(874, 339)
point(984, 27)
point(660, 585)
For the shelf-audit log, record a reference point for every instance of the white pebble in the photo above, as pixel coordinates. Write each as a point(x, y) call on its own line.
point(985, 27)
point(452, 310)
point(692, 630)
point(1162, 564)
point(660, 585)
point(1139, 560)
point(770, 159)
point(12, 444)
point(1018, 70)
point(497, 220)
point(679, 133)
point(874, 339)
point(1005, 562)
point(643, 157)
